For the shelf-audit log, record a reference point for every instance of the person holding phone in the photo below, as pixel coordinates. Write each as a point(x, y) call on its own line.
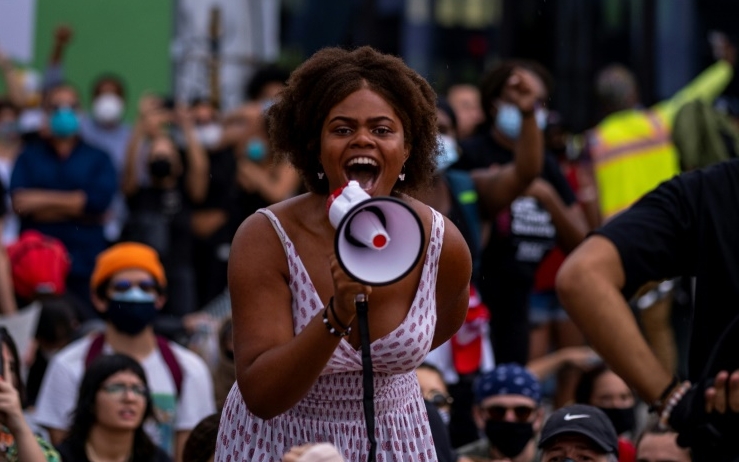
point(18, 443)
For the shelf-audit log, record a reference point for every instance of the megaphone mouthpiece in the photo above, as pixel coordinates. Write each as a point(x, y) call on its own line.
point(367, 227)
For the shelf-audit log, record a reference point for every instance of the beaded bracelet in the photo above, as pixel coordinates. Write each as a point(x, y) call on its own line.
point(674, 398)
point(658, 405)
point(328, 325)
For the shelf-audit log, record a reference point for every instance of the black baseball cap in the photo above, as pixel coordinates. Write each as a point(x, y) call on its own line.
point(581, 419)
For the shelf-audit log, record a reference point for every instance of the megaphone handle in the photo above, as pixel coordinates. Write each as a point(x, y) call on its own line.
point(368, 398)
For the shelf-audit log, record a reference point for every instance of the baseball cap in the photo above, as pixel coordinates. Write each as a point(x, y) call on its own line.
point(507, 379)
point(39, 265)
point(581, 419)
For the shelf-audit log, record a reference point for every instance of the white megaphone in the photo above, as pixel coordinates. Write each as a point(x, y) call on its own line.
point(379, 240)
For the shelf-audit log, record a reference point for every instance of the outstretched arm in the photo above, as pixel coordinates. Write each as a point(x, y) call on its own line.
point(589, 285)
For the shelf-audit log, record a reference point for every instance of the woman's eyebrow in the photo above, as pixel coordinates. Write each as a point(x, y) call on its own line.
point(376, 119)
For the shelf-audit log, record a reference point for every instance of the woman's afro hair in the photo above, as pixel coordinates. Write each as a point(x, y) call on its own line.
point(295, 121)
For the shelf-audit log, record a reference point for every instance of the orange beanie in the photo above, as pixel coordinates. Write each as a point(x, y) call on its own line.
point(123, 256)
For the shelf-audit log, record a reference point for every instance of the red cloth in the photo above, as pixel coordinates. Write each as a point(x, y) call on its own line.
point(626, 451)
point(467, 342)
point(39, 265)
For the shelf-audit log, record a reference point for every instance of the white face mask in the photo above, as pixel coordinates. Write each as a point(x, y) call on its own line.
point(107, 109)
point(448, 153)
point(209, 135)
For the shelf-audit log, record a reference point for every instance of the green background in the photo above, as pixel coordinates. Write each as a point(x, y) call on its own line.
point(130, 38)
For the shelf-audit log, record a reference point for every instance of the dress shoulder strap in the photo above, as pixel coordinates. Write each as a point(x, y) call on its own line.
point(286, 244)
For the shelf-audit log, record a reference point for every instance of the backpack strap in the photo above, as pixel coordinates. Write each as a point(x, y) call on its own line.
point(96, 347)
point(465, 205)
point(174, 367)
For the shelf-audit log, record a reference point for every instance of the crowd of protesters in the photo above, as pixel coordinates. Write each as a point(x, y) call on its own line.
point(121, 233)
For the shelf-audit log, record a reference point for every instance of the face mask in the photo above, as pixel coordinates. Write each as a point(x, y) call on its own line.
point(508, 120)
point(448, 155)
point(445, 416)
point(8, 130)
point(107, 109)
point(160, 168)
point(131, 311)
point(256, 150)
point(209, 135)
point(510, 438)
point(64, 122)
point(31, 120)
point(623, 419)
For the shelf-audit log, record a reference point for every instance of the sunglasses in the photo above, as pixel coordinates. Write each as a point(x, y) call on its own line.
point(498, 413)
point(119, 389)
point(124, 285)
point(439, 399)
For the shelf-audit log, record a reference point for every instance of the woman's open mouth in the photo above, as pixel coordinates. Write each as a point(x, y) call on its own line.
point(363, 170)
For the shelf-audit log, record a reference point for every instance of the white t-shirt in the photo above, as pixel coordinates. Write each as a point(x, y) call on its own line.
point(58, 394)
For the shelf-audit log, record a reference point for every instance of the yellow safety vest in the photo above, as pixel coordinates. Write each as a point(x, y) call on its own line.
point(632, 153)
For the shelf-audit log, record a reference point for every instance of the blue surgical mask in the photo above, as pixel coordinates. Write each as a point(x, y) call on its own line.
point(508, 120)
point(131, 311)
point(448, 153)
point(255, 150)
point(64, 122)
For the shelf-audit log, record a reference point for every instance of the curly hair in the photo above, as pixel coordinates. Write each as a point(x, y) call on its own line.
point(295, 121)
point(493, 81)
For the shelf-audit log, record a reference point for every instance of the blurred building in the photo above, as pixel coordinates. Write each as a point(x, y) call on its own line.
point(663, 41)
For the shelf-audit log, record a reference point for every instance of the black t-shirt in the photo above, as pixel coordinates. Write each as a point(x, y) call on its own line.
point(222, 188)
point(71, 452)
point(160, 218)
point(522, 233)
point(688, 226)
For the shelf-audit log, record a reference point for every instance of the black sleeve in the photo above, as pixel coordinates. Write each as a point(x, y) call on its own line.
point(472, 155)
point(440, 433)
point(655, 236)
point(553, 174)
point(3, 204)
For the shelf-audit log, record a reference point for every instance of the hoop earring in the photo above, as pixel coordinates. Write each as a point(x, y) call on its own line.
point(402, 173)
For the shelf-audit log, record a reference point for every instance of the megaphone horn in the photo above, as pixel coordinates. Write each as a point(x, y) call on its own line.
point(378, 240)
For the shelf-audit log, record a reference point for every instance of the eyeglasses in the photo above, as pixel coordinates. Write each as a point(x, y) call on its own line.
point(124, 285)
point(439, 399)
point(498, 413)
point(120, 389)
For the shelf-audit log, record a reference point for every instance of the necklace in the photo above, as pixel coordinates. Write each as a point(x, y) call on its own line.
point(94, 457)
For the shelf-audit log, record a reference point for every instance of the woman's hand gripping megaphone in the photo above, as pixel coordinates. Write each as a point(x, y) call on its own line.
point(346, 291)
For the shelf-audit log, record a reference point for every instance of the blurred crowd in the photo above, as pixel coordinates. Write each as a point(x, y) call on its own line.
point(120, 231)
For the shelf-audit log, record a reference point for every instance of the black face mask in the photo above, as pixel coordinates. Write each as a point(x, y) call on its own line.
point(131, 318)
point(623, 419)
point(160, 168)
point(510, 438)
